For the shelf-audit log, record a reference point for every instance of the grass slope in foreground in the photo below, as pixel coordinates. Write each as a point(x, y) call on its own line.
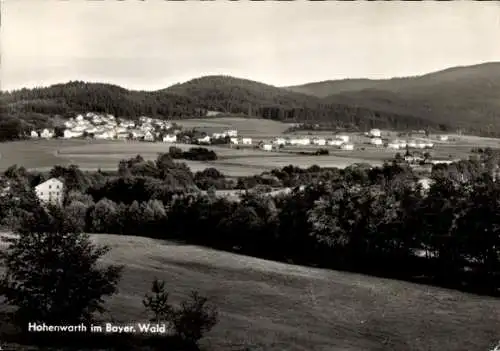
point(272, 306)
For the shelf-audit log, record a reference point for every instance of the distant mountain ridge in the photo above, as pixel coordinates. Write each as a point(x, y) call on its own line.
point(466, 97)
point(326, 88)
point(461, 97)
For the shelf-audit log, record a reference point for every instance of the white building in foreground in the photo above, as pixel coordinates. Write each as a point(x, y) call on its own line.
point(50, 191)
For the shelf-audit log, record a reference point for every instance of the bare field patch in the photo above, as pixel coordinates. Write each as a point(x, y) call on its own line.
point(142, 148)
point(247, 127)
point(300, 161)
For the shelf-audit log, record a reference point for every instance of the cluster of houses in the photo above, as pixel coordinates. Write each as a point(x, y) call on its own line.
point(107, 127)
point(343, 142)
point(232, 134)
point(375, 136)
point(414, 144)
point(340, 141)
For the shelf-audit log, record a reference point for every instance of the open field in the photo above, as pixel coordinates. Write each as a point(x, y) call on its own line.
point(272, 306)
point(91, 155)
point(250, 127)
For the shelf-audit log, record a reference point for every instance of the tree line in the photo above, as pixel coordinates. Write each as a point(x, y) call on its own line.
point(373, 220)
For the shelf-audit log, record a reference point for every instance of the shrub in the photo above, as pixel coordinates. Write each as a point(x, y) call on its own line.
point(194, 318)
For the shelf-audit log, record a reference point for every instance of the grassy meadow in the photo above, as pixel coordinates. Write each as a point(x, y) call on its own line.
point(273, 306)
point(94, 154)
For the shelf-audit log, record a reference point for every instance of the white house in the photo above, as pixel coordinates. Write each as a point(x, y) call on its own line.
point(344, 138)
point(267, 147)
point(375, 133)
point(105, 135)
point(34, 134)
point(50, 191)
point(402, 144)
point(300, 141)
point(429, 144)
point(148, 136)
point(204, 140)
point(376, 141)
point(170, 138)
point(425, 184)
point(279, 141)
point(96, 119)
point(79, 118)
point(79, 128)
point(335, 142)
point(218, 135)
point(443, 138)
point(69, 124)
point(234, 141)
point(438, 162)
point(231, 133)
point(47, 133)
point(246, 141)
point(347, 146)
point(68, 134)
point(319, 142)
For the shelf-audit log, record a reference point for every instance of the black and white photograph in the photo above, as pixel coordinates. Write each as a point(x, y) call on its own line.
point(250, 175)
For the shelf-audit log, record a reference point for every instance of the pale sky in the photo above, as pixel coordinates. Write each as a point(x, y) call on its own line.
point(153, 44)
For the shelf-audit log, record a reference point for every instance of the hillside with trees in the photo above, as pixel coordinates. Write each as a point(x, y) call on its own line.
point(465, 97)
point(36, 107)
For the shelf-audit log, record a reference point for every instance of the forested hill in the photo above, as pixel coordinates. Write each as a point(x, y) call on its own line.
point(80, 97)
point(465, 97)
point(192, 99)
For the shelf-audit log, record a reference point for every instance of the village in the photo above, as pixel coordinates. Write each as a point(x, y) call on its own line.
point(108, 127)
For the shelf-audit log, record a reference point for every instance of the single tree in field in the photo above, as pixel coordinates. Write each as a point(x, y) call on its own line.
point(52, 273)
point(194, 318)
point(156, 303)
